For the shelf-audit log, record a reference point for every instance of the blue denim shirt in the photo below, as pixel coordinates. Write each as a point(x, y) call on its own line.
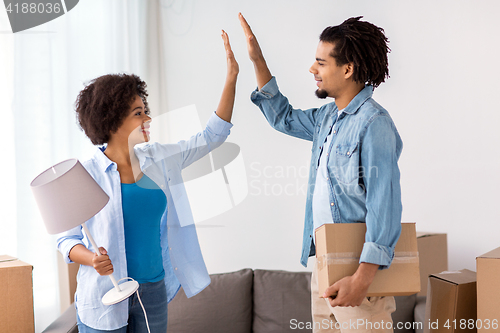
point(362, 163)
point(182, 259)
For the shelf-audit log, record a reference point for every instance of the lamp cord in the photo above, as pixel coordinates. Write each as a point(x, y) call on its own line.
point(140, 302)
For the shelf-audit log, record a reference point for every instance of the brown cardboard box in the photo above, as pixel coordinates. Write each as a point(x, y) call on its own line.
point(451, 302)
point(338, 249)
point(488, 291)
point(433, 256)
point(16, 296)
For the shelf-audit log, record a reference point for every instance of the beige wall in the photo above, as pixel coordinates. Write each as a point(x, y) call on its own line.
point(67, 282)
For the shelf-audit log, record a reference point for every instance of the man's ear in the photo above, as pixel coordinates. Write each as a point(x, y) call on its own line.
point(348, 70)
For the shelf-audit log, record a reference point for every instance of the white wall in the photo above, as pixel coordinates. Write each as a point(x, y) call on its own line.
point(441, 95)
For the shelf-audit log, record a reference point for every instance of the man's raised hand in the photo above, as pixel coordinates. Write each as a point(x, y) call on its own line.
point(255, 53)
point(253, 47)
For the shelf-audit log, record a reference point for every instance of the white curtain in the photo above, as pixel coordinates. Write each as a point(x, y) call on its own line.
point(42, 70)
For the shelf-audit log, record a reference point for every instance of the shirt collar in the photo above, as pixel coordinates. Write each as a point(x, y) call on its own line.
point(359, 99)
point(103, 161)
point(144, 154)
point(106, 164)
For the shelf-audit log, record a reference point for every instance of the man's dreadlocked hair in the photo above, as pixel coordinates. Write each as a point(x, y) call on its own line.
point(362, 44)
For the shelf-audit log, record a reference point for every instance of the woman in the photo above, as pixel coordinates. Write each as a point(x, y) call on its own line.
point(146, 229)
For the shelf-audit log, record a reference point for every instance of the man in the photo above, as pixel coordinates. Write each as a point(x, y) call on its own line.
point(354, 176)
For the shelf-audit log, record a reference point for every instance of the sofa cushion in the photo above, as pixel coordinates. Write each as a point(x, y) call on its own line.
point(279, 298)
point(224, 306)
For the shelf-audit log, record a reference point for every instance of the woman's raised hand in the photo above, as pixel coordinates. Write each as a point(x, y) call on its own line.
point(232, 65)
point(225, 108)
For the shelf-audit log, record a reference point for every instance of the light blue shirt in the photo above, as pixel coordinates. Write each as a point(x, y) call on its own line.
point(362, 165)
point(321, 198)
point(182, 259)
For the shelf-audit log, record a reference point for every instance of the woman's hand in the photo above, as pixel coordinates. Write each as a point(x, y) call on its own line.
point(83, 256)
point(102, 264)
point(232, 65)
point(225, 108)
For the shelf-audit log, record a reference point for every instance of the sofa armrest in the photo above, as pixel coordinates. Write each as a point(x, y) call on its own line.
point(66, 323)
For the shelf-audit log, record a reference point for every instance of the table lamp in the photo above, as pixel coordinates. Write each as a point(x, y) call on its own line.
point(67, 196)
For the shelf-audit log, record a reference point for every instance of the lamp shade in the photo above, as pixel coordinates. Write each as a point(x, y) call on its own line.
point(67, 196)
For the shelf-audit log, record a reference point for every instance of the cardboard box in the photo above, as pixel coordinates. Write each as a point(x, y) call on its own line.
point(338, 249)
point(488, 291)
point(433, 256)
point(451, 302)
point(16, 296)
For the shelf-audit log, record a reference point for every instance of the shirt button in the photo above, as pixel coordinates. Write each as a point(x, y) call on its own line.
point(326, 154)
point(332, 204)
point(170, 248)
point(348, 153)
point(334, 132)
point(175, 268)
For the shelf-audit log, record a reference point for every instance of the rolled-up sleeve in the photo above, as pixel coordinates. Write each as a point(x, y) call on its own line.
point(217, 126)
point(67, 240)
point(269, 90)
point(381, 177)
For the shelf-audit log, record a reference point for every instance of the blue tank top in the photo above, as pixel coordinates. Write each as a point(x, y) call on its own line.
point(143, 205)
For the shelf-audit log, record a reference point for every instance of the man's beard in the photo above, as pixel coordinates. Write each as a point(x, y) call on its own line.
point(320, 93)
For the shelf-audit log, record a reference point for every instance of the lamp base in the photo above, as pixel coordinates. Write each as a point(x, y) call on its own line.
point(114, 296)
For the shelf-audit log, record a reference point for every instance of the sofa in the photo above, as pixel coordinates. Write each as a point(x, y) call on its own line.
point(259, 301)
